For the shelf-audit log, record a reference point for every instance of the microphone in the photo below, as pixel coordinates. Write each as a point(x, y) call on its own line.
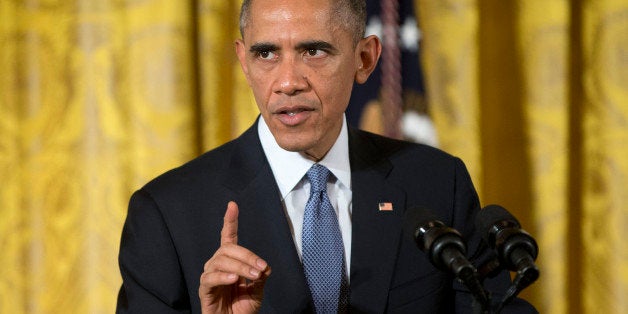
point(516, 249)
point(445, 249)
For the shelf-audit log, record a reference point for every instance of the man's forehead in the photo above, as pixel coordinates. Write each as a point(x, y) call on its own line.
point(310, 10)
point(269, 4)
point(293, 30)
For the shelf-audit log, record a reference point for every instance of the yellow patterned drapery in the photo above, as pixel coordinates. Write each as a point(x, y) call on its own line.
point(541, 87)
point(97, 97)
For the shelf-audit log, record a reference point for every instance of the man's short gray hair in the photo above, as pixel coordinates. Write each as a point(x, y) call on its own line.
point(351, 14)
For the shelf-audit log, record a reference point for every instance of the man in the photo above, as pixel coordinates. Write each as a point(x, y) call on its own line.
point(238, 216)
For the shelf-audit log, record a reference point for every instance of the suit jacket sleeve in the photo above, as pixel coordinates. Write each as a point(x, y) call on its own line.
point(152, 277)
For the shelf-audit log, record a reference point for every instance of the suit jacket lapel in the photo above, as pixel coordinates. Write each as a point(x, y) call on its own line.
point(376, 234)
point(263, 226)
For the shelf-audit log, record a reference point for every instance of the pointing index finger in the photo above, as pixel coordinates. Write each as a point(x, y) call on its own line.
point(229, 233)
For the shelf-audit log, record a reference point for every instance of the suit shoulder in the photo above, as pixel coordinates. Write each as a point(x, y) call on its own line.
point(399, 149)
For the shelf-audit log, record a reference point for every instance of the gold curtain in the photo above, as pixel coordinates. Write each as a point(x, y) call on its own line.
point(97, 97)
point(533, 95)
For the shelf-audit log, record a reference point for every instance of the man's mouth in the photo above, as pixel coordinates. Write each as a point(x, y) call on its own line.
point(294, 116)
point(293, 112)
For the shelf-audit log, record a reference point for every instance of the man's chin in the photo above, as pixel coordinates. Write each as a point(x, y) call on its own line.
point(294, 147)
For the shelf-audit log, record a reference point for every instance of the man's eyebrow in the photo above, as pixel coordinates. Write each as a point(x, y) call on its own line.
point(316, 44)
point(261, 47)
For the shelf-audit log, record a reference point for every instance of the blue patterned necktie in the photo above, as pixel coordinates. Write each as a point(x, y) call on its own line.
point(323, 252)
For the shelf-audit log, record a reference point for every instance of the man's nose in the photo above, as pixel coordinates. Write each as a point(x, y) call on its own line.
point(291, 77)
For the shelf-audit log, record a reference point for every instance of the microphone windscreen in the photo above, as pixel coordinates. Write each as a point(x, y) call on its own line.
point(491, 215)
point(414, 218)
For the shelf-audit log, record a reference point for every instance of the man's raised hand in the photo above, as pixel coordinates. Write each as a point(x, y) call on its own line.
point(233, 279)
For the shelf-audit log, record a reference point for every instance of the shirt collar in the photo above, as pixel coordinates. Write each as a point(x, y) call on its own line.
point(290, 167)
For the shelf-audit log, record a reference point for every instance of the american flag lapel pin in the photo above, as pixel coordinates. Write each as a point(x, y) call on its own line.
point(385, 207)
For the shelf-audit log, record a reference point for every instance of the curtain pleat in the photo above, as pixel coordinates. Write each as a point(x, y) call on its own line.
point(604, 126)
point(542, 45)
point(450, 53)
point(227, 105)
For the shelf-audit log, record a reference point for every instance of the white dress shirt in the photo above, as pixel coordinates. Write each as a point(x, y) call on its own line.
point(289, 169)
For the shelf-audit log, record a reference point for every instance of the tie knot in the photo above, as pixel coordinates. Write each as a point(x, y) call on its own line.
point(318, 175)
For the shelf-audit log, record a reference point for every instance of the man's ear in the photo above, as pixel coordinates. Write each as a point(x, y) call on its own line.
point(241, 53)
point(367, 52)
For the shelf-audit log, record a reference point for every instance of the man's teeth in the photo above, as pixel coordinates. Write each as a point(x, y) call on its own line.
point(293, 112)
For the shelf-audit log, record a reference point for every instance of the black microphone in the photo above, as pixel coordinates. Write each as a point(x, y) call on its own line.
point(446, 250)
point(516, 249)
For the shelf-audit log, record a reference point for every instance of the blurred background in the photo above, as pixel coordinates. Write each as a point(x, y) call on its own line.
point(97, 97)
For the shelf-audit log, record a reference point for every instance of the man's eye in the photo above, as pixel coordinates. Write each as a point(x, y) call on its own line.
point(315, 52)
point(266, 55)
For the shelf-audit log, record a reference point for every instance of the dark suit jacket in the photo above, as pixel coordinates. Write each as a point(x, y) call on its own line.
point(174, 222)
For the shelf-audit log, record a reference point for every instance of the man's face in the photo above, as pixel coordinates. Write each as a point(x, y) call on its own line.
point(301, 67)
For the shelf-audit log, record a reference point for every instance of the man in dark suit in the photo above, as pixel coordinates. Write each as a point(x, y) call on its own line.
point(300, 59)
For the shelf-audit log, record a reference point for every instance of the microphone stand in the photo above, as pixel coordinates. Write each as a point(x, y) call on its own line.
point(527, 274)
point(468, 275)
point(481, 298)
point(457, 263)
